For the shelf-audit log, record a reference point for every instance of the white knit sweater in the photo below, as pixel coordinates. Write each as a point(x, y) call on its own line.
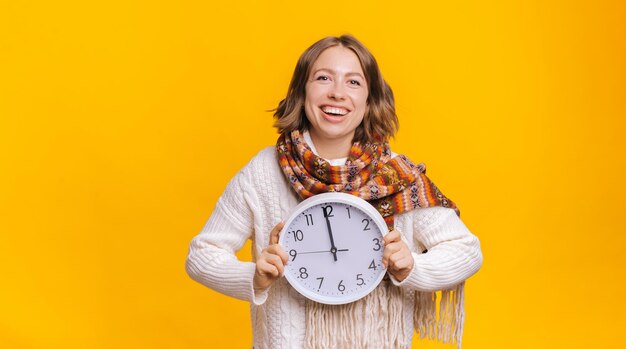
point(257, 198)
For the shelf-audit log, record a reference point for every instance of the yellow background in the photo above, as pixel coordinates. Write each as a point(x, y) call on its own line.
point(122, 121)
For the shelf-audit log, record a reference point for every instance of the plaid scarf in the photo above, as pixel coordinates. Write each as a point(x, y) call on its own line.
point(392, 185)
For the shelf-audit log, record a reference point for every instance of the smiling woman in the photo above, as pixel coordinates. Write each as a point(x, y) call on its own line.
point(334, 125)
point(346, 59)
point(336, 100)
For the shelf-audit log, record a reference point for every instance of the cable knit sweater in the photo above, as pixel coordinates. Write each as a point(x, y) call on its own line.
point(257, 198)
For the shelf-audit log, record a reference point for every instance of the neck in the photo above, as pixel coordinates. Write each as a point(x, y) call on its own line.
point(331, 148)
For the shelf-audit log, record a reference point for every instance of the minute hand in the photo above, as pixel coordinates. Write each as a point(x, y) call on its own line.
point(333, 249)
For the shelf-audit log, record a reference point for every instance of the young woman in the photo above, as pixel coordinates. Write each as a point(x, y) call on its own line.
point(334, 125)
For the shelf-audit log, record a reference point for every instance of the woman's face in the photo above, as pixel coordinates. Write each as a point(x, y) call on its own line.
point(336, 96)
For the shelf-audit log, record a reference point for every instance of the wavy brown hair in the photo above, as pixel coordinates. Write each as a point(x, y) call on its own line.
point(380, 121)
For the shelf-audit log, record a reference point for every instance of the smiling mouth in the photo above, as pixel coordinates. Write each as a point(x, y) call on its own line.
point(333, 111)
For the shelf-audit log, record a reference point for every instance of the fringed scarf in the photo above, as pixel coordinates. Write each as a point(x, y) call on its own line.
point(393, 186)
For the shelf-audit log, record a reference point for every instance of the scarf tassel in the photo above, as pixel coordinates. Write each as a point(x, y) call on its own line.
point(352, 325)
point(448, 326)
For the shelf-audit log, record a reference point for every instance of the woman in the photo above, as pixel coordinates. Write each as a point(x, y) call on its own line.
point(334, 125)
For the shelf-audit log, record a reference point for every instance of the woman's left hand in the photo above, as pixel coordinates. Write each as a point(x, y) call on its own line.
point(397, 257)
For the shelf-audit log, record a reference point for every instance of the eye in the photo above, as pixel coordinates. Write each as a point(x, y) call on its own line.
point(354, 82)
point(322, 78)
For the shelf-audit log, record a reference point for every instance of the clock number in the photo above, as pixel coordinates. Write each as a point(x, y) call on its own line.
point(378, 246)
point(321, 281)
point(367, 224)
point(348, 208)
point(309, 219)
point(341, 287)
point(293, 254)
point(328, 211)
point(303, 273)
point(360, 280)
point(298, 235)
point(372, 265)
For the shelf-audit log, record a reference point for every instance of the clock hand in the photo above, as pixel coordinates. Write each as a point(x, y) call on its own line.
point(325, 251)
point(333, 249)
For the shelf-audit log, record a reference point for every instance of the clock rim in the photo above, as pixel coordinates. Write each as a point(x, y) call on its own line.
point(334, 197)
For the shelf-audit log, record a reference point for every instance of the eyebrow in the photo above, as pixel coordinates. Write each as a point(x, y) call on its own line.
point(334, 73)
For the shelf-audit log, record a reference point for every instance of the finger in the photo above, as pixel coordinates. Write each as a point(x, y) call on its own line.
point(398, 261)
point(273, 265)
point(274, 234)
point(388, 251)
point(278, 250)
point(267, 270)
point(403, 258)
point(277, 262)
point(392, 236)
point(392, 248)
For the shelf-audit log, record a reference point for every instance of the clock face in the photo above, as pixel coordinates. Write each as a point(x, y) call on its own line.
point(335, 247)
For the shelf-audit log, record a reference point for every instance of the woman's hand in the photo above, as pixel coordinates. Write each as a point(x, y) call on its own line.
point(271, 263)
point(397, 256)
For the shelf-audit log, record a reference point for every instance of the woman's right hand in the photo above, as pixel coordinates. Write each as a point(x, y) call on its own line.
point(271, 263)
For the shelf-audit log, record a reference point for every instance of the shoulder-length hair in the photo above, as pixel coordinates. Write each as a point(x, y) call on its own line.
point(380, 121)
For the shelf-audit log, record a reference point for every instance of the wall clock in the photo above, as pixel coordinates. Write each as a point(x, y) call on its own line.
point(335, 247)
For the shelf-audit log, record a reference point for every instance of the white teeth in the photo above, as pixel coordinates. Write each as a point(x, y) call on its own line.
point(337, 111)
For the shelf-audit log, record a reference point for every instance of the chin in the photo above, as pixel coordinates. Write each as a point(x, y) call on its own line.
point(332, 132)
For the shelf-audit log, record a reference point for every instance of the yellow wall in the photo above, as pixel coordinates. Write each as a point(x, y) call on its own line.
point(122, 121)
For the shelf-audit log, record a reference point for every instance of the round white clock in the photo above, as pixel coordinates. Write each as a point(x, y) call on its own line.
point(335, 247)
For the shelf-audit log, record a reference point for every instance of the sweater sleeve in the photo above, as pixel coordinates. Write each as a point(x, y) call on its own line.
point(211, 260)
point(453, 251)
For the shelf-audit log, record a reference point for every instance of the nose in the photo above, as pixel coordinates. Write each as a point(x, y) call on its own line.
point(337, 91)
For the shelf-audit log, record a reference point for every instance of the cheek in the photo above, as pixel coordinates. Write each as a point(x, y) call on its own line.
point(313, 97)
point(314, 93)
point(360, 101)
point(309, 108)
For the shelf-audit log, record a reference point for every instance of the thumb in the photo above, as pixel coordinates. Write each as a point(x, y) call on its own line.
point(274, 234)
